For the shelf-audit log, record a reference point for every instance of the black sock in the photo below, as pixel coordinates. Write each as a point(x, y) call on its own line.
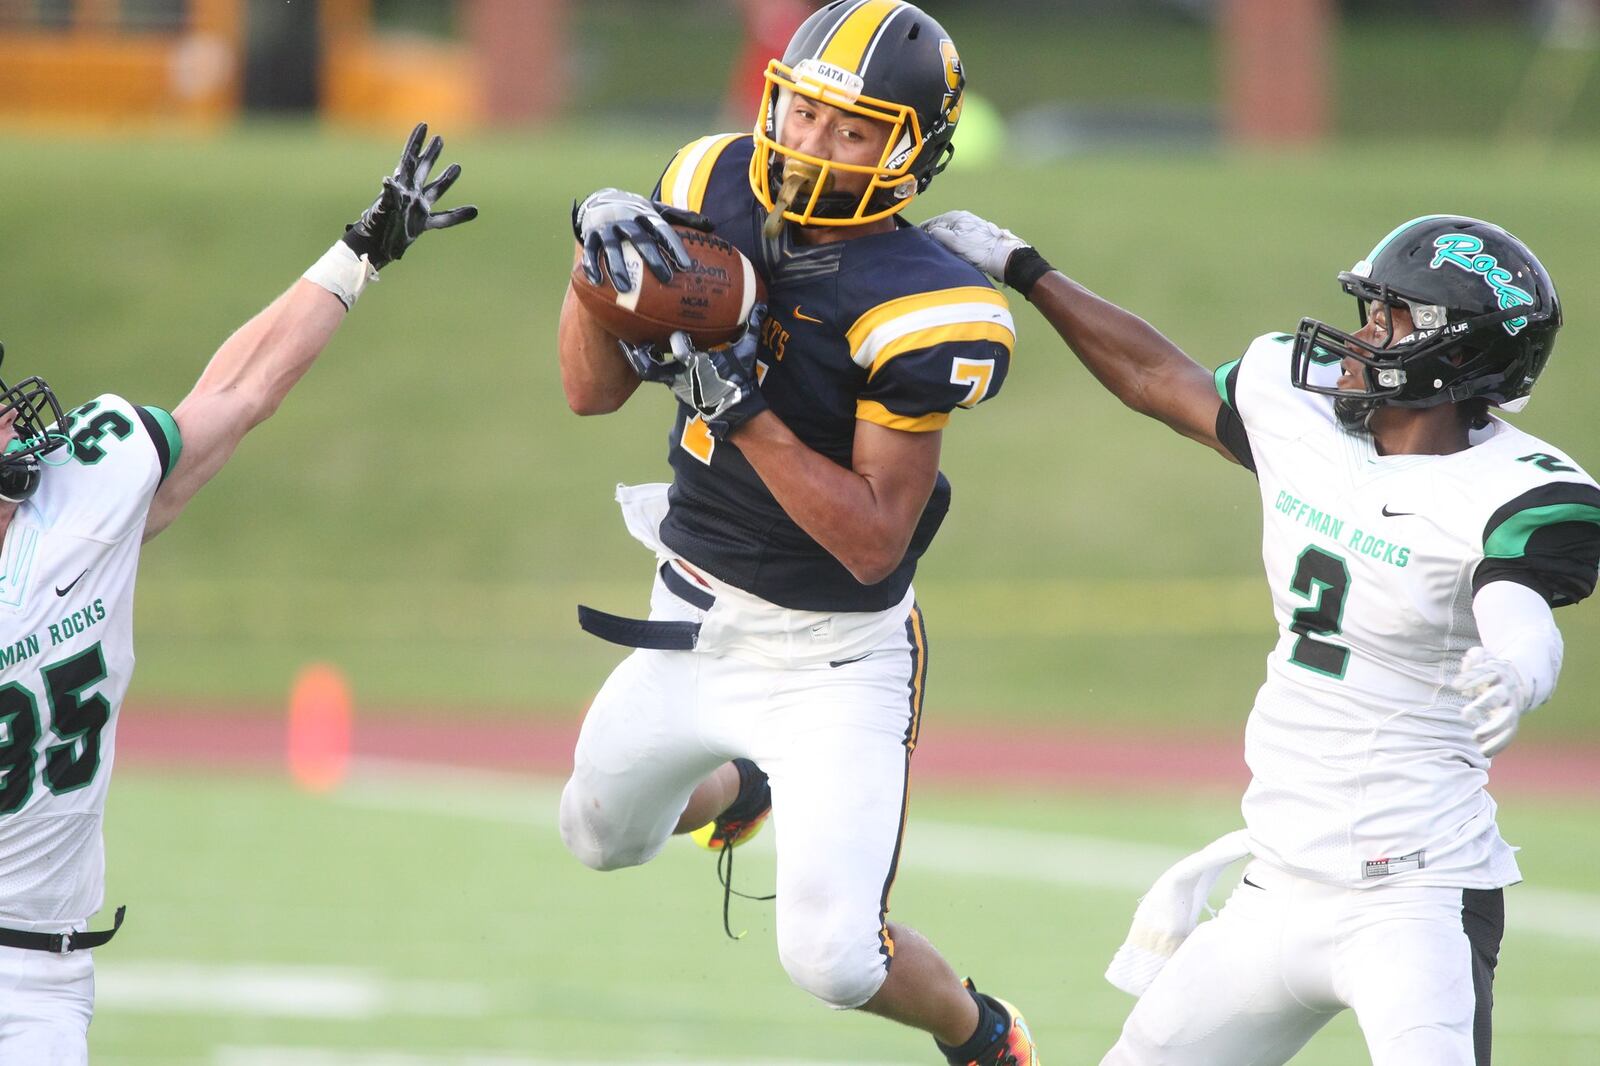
point(754, 794)
point(992, 1025)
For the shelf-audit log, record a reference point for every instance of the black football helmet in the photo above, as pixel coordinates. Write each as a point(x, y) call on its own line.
point(887, 60)
point(1484, 312)
point(37, 410)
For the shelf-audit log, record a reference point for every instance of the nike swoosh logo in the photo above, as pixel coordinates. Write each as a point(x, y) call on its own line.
point(63, 591)
point(801, 314)
point(1395, 514)
point(836, 663)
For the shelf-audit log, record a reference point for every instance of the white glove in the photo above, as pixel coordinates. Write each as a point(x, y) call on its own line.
point(1501, 698)
point(977, 240)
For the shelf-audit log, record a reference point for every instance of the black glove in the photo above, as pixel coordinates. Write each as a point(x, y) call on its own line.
point(404, 210)
point(608, 217)
point(720, 385)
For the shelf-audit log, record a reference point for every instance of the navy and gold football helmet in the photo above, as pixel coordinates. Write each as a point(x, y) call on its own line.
point(886, 60)
point(36, 411)
point(1484, 312)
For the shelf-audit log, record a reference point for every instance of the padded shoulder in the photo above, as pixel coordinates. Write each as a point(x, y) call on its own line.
point(1546, 532)
point(101, 485)
point(931, 332)
point(1257, 386)
point(689, 177)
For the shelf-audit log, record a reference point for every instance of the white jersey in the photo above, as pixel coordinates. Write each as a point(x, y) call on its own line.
point(1363, 771)
point(66, 655)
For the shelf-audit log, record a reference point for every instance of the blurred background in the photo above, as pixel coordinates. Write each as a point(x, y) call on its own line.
point(424, 512)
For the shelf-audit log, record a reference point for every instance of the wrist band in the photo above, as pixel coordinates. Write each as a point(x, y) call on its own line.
point(1024, 268)
point(342, 273)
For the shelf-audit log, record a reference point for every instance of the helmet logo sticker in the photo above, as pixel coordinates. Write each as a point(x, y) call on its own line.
point(1463, 250)
point(952, 77)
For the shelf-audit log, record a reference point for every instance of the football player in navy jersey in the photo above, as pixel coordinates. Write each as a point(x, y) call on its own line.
point(80, 491)
point(1416, 544)
point(783, 663)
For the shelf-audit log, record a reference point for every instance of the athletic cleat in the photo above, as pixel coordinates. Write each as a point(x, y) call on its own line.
point(1015, 1048)
point(742, 820)
point(745, 815)
point(727, 832)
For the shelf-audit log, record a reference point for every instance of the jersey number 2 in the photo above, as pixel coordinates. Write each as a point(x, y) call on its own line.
point(1324, 579)
point(75, 720)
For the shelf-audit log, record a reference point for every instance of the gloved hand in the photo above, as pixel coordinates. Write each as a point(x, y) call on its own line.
point(977, 240)
point(404, 211)
point(650, 362)
point(1501, 698)
point(720, 384)
point(608, 217)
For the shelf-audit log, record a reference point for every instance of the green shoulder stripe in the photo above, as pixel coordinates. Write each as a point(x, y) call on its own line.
point(1226, 377)
point(163, 430)
point(1509, 539)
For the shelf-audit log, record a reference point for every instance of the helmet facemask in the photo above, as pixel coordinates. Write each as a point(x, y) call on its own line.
point(800, 187)
point(21, 463)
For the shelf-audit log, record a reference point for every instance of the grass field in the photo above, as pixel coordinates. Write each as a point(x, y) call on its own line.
point(429, 917)
point(425, 511)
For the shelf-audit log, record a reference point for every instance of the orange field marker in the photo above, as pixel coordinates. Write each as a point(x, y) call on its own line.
point(320, 724)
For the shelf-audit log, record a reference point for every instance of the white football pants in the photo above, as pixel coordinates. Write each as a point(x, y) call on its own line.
point(46, 1002)
point(835, 742)
point(1284, 955)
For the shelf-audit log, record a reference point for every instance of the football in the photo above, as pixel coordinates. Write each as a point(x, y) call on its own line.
point(710, 301)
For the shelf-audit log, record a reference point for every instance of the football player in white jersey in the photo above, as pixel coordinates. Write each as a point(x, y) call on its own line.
point(80, 490)
point(1416, 544)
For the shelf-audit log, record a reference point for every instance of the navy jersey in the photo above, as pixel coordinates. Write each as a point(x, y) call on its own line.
point(889, 327)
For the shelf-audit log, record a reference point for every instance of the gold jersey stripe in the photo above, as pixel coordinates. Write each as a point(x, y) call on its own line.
point(847, 47)
point(874, 412)
point(885, 313)
point(684, 183)
point(918, 339)
point(919, 636)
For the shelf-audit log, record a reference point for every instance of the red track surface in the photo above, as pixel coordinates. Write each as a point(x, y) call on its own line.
point(192, 736)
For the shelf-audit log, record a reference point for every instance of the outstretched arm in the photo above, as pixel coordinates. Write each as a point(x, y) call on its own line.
point(1125, 353)
point(254, 370)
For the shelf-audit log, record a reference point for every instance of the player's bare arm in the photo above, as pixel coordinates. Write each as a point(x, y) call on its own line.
point(863, 514)
point(253, 371)
point(594, 375)
point(240, 388)
point(1130, 357)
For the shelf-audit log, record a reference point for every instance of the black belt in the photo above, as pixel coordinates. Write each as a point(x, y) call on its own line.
point(60, 943)
point(643, 633)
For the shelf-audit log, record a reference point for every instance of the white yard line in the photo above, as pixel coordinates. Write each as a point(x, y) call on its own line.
point(295, 1056)
point(948, 848)
point(321, 992)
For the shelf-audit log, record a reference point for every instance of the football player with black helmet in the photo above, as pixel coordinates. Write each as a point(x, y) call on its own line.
point(784, 641)
point(80, 491)
point(1415, 543)
point(1482, 332)
point(30, 410)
